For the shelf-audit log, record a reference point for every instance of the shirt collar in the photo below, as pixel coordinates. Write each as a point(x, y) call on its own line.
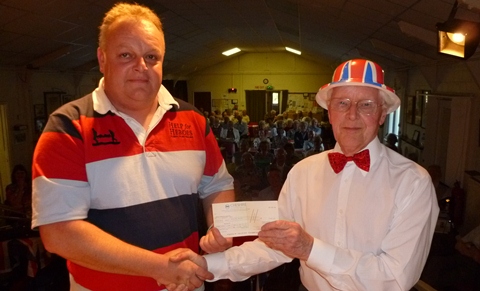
point(102, 104)
point(375, 149)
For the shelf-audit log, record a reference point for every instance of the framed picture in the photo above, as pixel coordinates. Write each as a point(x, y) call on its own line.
point(52, 101)
point(418, 110)
point(416, 136)
point(410, 109)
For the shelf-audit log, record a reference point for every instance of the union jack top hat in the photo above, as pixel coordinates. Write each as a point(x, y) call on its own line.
point(359, 72)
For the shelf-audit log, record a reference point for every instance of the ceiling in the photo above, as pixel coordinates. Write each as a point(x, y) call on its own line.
point(62, 34)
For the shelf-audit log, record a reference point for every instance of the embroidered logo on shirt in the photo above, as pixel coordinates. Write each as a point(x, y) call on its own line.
point(180, 130)
point(104, 139)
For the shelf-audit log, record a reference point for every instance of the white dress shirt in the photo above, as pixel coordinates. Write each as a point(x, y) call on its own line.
point(372, 230)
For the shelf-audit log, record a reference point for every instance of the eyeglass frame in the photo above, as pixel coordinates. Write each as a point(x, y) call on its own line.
point(356, 105)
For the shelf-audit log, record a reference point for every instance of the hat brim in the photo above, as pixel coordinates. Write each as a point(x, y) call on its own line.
point(392, 101)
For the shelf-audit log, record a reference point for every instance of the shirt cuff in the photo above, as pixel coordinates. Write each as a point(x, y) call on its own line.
point(217, 265)
point(322, 256)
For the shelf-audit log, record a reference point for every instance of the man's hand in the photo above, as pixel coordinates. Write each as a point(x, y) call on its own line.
point(287, 237)
point(214, 242)
point(187, 271)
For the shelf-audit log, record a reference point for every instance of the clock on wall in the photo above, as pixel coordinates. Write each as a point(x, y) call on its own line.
point(265, 81)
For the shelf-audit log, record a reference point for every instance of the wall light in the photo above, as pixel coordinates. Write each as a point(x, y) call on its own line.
point(293, 50)
point(457, 37)
point(231, 51)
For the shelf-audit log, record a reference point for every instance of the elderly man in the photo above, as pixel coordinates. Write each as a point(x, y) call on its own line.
point(358, 217)
point(118, 174)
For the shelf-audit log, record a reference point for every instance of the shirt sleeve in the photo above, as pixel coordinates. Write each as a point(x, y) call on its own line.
point(60, 190)
point(403, 252)
point(215, 177)
point(240, 263)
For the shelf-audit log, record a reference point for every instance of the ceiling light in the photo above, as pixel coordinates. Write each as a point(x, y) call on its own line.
point(231, 51)
point(293, 50)
point(457, 37)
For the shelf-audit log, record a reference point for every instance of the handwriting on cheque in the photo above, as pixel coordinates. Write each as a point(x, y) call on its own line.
point(243, 218)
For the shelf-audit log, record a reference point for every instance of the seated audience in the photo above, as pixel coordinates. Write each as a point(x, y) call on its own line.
point(292, 129)
point(315, 127)
point(292, 158)
point(215, 126)
point(241, 126)
point(317, 146)
point(309, 144)
point(248, 179)
point(280, 140)
point(229, 138)
point(280, 162)
point(245, 117)
point(244, 148)
point(264, 156)
point(300, 135)
point(287, 125)
point(275, 183)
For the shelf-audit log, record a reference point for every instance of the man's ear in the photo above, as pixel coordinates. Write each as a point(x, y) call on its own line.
point(101, 59)
point(381, 120)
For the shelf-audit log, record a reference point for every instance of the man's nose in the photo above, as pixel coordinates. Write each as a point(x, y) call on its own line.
point(352, 111)
point(141, 64)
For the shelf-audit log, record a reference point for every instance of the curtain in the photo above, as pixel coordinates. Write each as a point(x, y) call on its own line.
point(178, 89)
point(284, 101)
point(181, 90)
point(255, 103)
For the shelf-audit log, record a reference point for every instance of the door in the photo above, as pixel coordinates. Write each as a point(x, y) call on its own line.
point(203, 100)
point(4, 152)
point(446, 136)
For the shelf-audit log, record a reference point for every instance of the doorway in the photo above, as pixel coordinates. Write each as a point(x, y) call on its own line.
point(203, 100)
point(446, 135)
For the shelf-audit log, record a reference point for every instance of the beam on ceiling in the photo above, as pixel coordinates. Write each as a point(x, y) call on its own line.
point(427, 36)
point(50, 57)
point(400, 52)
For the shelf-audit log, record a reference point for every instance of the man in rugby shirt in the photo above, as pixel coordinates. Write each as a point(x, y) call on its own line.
point(118, 174)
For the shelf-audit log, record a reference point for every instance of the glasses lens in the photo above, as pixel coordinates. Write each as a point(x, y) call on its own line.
point(341, 104)
point(366, 106)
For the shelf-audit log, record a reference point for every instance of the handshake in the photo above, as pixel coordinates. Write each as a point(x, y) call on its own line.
point(187, 270)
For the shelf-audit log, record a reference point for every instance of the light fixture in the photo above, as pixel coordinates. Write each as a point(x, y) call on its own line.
point(457, 37)
point(231, 51)
point(293, 50)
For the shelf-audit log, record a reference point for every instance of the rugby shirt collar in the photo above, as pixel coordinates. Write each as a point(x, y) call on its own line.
point(102, 104)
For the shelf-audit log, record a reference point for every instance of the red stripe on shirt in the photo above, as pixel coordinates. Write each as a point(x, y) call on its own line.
point(97, 280)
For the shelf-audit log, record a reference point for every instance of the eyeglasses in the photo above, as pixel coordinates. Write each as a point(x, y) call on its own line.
point(366, 107)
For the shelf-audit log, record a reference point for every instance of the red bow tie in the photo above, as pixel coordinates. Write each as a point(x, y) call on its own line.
point(338, 161)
